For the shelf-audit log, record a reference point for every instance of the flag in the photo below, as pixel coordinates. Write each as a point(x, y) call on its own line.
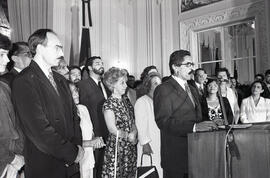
point(85, 51)
point(235, 72)
point(217, 63)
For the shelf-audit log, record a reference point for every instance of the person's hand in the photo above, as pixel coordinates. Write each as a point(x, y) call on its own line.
point(219, 122)
point(147, 149)
point(132, 137)
point(206, 126)
point(80, 154)
point(98, 142)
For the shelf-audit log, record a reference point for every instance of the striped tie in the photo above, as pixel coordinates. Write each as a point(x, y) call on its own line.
point(189, 94)
point(50, 77)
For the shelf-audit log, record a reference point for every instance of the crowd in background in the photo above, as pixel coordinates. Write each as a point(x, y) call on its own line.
point(58, 120)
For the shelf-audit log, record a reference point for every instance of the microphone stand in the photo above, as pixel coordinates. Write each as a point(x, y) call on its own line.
point(227, 158)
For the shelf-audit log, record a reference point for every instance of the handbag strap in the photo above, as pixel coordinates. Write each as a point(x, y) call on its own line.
point(149, 156)
point(115, 154)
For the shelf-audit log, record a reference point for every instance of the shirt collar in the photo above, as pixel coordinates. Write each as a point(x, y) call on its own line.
point(199, 85)
point(46, 69)
point(17, 69)
point(180, 81)
point(96, 80)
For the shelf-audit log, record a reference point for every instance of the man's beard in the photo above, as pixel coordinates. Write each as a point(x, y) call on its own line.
point(76, 80)
point(99, 71)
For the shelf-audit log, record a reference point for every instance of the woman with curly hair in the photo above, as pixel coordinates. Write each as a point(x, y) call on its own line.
point(120, 157)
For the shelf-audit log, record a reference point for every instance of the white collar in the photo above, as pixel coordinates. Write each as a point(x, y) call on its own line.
point(96, 80)
point(199, 85)
point(46, 69)
point(17, 69)
point(180, 81)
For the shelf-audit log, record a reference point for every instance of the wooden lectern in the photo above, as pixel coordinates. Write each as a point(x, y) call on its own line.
point(206, 153)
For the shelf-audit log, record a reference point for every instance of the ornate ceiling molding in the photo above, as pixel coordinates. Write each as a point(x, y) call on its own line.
point(251, 10)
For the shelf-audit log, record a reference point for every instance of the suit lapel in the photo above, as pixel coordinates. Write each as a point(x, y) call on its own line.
point(184, 97)
point(42, 77)
point(14, 72)
point(181, 92)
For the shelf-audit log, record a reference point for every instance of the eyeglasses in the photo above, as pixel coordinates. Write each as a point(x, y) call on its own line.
point(188, 64)
point(25, 54)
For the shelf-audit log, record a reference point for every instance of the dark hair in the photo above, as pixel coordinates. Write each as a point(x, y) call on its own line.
point(146, 70)
point(5, 42)
point(17, 48)
point(264, 87)
point(74, 67)
point(259, 75)
point(38, 37)
point(176, 58)
point(198, 69)
point(147, 81)
point(210, 80)
point(267, 72)
point(85, 73)
point(223, 69)
point(90, 60)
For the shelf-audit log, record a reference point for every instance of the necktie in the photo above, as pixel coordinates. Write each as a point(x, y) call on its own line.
point(50, 77)
point(201, 90)
point(189, 94)
point(100, 87)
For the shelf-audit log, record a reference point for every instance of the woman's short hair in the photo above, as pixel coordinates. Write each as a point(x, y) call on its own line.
point(264, 87)
point(146, 71)
point(112, 76)
point(208, 82)
point(147, 84)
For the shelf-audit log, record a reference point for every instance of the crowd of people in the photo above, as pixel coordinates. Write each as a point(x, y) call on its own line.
point(62, 121)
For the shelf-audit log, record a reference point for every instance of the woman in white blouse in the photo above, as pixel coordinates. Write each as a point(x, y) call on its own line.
point(255, 108)
point(148, 132)
point(89, 141)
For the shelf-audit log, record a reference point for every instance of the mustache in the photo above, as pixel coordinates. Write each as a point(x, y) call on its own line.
point(61, 58)
point(191, 72)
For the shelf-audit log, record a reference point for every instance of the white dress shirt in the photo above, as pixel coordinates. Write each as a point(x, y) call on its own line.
point(102, 87)
point(252, 113)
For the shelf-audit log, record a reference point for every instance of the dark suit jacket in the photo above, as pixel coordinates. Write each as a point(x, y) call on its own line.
point(92, 97)
point(49, 122)
point(227, 106)
point(193, 83)
point(9, 77)
point(175, 115)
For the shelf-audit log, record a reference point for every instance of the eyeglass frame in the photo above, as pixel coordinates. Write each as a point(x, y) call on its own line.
point(188, 64)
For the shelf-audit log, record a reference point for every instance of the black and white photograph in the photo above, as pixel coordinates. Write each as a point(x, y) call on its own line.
point(192, 4)
point(134, 89)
